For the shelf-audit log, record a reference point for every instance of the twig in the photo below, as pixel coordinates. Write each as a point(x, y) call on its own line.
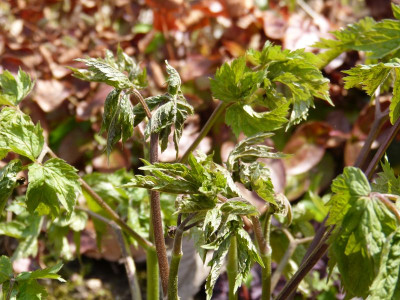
point(126, 257)
point(114, 216)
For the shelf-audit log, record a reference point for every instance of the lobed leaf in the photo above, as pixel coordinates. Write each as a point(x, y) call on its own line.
point(51, 184)
point(386, 181)
point(14, 89)
point(19, 134)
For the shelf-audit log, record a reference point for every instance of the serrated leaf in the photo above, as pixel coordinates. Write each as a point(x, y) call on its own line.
point(388, 278)
point(19, 134)
point(245, 119)
point(8, 181)
point(249, 150)
point(51, 184)
point(386, 181)
point(174, 80)
point(152, 102)
point(50, 273)
point(212, 221)
point(239, 206)
point(347, 187)
point(6, 270)
point(31, 290)
point(118, 118)
point(14, 89)
point(234, 82)
point(357, 245)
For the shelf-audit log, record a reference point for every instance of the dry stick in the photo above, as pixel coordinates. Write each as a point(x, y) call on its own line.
point(155, 206)
point(126, 257)
point(114, 216)
point(318, 246)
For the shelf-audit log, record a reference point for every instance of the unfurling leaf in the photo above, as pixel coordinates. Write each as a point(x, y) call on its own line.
point(239, 206)
point(387, 182)
point(8, 181)
point(117, 119)
point(19, 134)
point(14, 89)
point(51, 184)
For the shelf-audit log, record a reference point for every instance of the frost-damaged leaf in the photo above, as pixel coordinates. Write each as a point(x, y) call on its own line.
point(347, 187)
point(171, 114)
point(50, 273)
point(235, 82)
point(387, 182)
point(51, 184)
point(14, 89)
point(370, 77)
point(386, 285)
point(356, 245)
point(8, 181)
point(19, 134)
point(243, 118)
point(117, 119)
point(6, 270)
point(239, 206)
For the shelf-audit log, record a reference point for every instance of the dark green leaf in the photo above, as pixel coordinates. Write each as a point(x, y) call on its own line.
point(8, 181)
point(117, 119)
point(14, 89)
point(6, 270)
point(19, 134)
point(31, 290)
point(51, 184)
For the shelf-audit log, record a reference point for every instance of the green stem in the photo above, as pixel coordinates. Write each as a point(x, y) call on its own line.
point(266, 257)
point(174, 266)
point(204, 131)
point(153, 290)
point(232, 268)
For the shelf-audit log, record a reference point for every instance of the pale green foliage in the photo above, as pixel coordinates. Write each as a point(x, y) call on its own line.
point(19, 134)
point(117, 118)
point(51, 184)
point(8, 181)
point(25, 286)
point(370, 77)
point(14, 89)
point(239, 206)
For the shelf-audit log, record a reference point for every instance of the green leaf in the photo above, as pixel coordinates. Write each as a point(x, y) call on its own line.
point(212, 222)
point(28, 244)
point(234, 82)
point(249, 150)
point(51, 184)
point(357, 244)
point(117, 119)
point(31, 290)
point(14, 89)
point(6, 270)
point(347, 187)
point(174, 80)
point(152, 102)
point(245, 119)
point(50, 273)
point(386, 181)
point(19, 134)
point(239, 206)
point(8, 181)
point(388, 277)
point(13, 229)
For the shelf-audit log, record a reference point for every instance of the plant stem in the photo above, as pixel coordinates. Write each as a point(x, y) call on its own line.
point(10, 288)
point(176, 258)
point(382, 149)
point(153, 291)
point(204, 131)
point(126, 257)
point(156, 220)
point(114, 216)
point(232, 268)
